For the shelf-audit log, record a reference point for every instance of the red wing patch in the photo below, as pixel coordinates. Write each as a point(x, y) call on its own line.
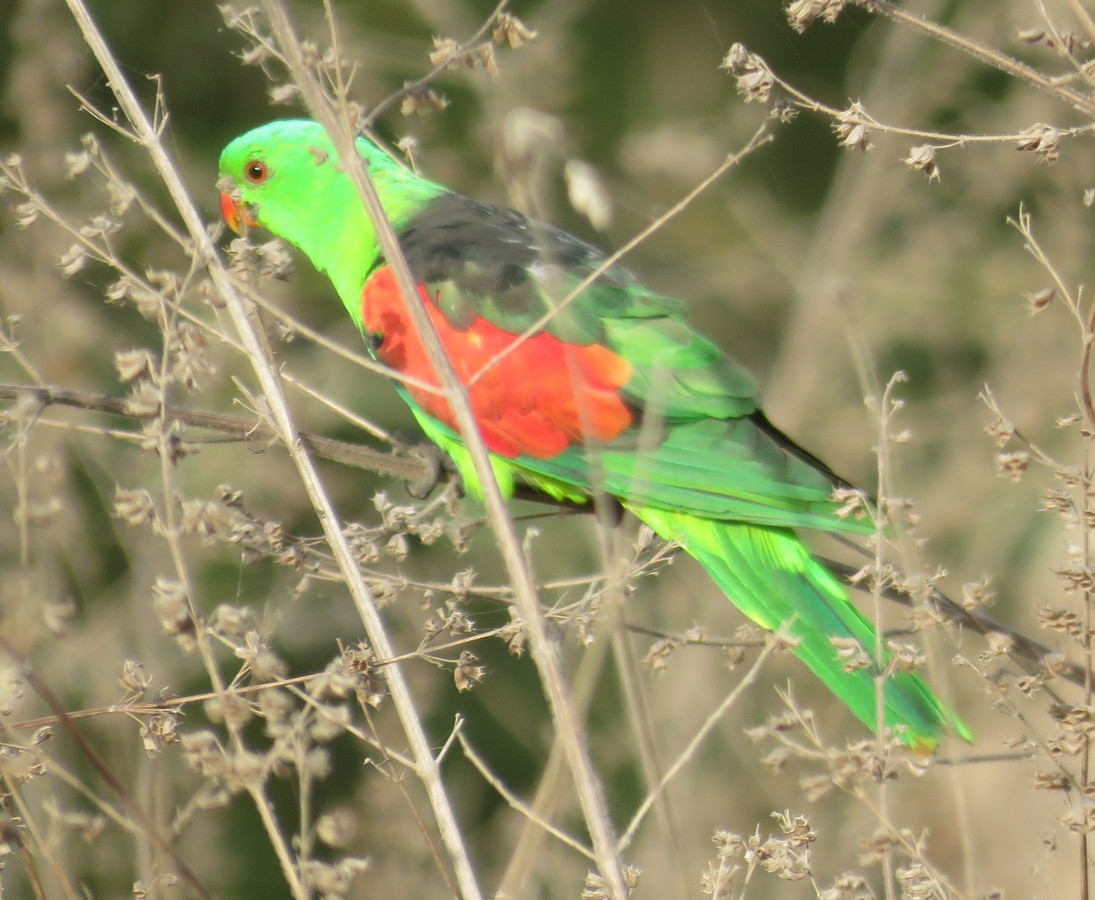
point(537, 400)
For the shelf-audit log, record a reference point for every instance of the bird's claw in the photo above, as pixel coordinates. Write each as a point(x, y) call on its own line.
point(437, 468)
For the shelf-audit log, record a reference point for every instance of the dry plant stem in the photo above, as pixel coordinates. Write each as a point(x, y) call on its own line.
point(693, 745)
point(1024, 649)
point(542, 647)
point(1085, 18)
point(384, 105)
point(1060, 43)
point(89, 753)
point(985, 54)
point(551, 790)
point(13, 797)
point(528, 812)
point(1085, 374)
point(644, 731)
point(902, 839)
point(886, 406)
point(264, 371)
point(943, 139)
point(1085, 758)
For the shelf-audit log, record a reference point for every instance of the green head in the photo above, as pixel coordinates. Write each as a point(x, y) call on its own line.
point(284, 177)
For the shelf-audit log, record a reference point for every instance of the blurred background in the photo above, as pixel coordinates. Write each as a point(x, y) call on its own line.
point(824, 270)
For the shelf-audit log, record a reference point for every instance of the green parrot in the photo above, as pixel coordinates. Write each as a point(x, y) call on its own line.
point(611, 392)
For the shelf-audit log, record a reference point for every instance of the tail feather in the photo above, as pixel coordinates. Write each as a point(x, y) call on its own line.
point(771, 576)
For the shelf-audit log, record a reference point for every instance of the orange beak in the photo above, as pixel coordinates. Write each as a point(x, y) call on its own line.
point(230, 209)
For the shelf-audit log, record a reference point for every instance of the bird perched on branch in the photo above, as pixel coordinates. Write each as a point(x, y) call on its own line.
point(581, 380)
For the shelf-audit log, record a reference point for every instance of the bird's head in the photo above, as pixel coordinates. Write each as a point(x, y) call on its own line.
point(281, 177)
point(285, 177)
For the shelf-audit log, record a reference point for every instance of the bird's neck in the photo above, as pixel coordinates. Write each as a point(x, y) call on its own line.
point(344, 243)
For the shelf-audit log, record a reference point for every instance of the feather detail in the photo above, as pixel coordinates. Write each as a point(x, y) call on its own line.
point(536, 400)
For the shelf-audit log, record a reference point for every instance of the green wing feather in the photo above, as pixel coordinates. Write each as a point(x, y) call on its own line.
point(774, 580)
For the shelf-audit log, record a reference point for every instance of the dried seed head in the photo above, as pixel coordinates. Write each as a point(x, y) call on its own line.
point(421, 101)
point(852, 128)
point(904, 658)
point(874, 849)
point(1042, 140)
point(120, 196)
point(917, 883)
point(1050, 781)
point(134, 681)
point(134, 507)
point(754, 78)
point(160, 731)
point(445, 52)
point(77, 163)
point(851, 653)
point(780, 859)
point(814, 787)
point(72, 260)
point(803, 13)
point(1012, 465)
point(508, 29)
point(922, 159)
point(1061, 620)
point(976, 594)
point(338, 828)
point(467, 674)
point(264, 663)
point(11, 689)
point(1080, 818)
point(231, 621)
point(134, 364)
point(26, 213)
point(1001, 430)
point(796, 828)
point(275, 709)
point(595, 887)
point(171, 605)
point(1040, 300)
point(283, 94)
point(333, 880)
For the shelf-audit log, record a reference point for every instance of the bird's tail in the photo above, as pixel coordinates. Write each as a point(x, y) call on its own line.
point(771, 576)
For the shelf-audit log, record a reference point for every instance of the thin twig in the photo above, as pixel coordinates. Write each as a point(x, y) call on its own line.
point(982, 52)
point(523, 808)
point(411, 86)
point(693, 745)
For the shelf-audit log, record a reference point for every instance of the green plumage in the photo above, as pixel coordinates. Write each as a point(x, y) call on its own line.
point(700, 464)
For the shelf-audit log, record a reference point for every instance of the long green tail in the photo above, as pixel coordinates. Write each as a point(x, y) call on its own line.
point(769, 574)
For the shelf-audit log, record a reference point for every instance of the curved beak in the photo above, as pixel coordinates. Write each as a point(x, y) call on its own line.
point(236, 217)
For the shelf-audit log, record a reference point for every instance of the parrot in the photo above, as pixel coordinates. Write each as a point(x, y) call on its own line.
point(582, 382)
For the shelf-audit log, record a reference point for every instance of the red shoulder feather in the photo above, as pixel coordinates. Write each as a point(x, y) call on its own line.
point(537, 400)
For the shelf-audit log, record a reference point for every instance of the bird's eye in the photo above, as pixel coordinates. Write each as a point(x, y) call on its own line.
point(255, 171)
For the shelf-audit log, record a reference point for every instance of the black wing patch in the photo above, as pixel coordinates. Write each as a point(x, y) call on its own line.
point(491, 262)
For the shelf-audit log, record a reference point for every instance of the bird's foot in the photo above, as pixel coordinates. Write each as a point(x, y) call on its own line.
point(438, 468)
